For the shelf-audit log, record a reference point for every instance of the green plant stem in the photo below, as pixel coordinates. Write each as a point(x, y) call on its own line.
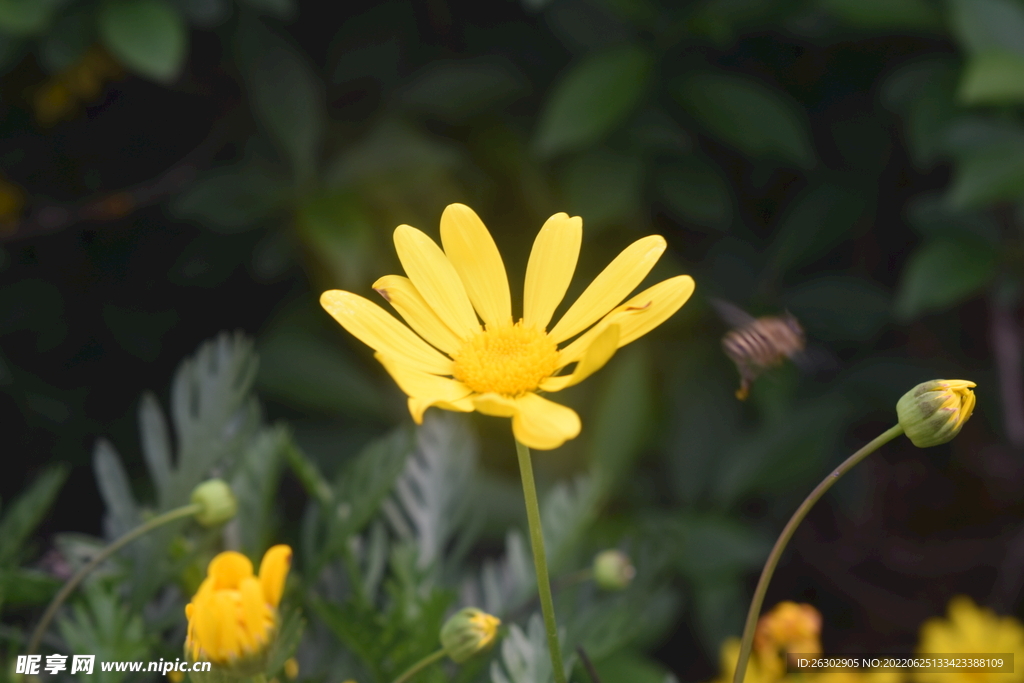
point(420, 665)
point(72, 584)
point(540, 561)
point(787, 533)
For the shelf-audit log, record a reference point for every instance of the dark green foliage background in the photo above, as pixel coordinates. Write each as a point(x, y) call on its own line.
point(857, 162)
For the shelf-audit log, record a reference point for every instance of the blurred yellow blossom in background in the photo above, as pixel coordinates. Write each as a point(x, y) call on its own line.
point(969, 629)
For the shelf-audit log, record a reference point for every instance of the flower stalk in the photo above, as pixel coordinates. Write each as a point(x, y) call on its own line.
point(787, 533)
point(420, 665)
point(74, 581)
point(540, 562)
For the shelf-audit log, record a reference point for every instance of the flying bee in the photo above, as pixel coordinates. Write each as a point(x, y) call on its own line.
point(758, 344)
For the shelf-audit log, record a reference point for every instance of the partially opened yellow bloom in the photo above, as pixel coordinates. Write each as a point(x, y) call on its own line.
point(233, 615)
point(449, 360)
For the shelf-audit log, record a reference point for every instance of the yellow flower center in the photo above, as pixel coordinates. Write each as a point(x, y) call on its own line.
point(509, 360)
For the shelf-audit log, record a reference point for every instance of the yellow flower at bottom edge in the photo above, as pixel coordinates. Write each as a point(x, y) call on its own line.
point(972, 630)
point(450, 361)
point(233, 615)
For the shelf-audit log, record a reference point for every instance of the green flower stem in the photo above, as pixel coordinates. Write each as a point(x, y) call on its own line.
point(787, 533)
point(540, 561)
point(420, 665)
point(72, 584)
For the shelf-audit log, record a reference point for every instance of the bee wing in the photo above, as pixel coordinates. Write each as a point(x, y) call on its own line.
point(733, 315)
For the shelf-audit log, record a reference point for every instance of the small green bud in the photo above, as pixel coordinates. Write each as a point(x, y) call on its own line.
point(932, 413)
point(612, 570)
point(219, 503)
point(467, 632)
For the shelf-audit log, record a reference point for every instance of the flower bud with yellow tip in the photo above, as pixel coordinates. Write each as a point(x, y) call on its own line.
point(217, 500)
point(468, 632)
point(233, 618)
point(613, 570)
point(932, 413)
point(291, 668)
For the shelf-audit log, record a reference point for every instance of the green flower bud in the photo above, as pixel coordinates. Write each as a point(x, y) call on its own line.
point(612, 570)
point(933, 413)
point(467, 632)
point(219, 503)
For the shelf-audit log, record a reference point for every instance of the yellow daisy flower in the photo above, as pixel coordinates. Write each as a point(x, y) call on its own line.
point(970, 630)
point(450, 361)
point(233, 615)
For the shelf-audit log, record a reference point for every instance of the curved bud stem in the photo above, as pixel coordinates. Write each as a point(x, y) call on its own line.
point(72, 584)
point(420, 665)
point(787, 533)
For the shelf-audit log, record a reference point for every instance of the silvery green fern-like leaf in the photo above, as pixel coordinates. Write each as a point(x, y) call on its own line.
point(524, 656)
point(504, 583)
point(567, 512)
point(431, 498)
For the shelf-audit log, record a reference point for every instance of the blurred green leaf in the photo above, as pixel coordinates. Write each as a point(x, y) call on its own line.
point(148, 36)
point(603, 186)
point(711, 546)
point(20, 586)
point(429, 503)
point(122, 511)
point(26, 17)
point(748, 115)
point(206, 14)
point(364, 483)
point(822, 218)
point(336, 229)
point(986, 25)
point(103, 625)
point(288, 102)
point(593, 97)
point(884, 14)
point(943, 273)
point(993, 77)
point(931, 215)
point(622, 418)
point(840, 308)
point(632, 667)
point(68, 40)
point(782, 454)
point(990, 162)
point(924, 93)
point(301, 368)
point(255, 485)
point(696, 192)
point(524, 655)
point(455, 90)
point(231, 199)
point(283, 9)
point(21, 516)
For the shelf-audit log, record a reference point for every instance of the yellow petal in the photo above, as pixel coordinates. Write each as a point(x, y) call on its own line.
point(436, 280)
point(410, 304)
point(611, 286)
point(418, 406)
point(253, 613)
point(473, 253)
point(372, 325)
point(228, 569)
point(636, 317)
point(495, 405)
point(552, 263)
point(597, 354)
point(273, 571)
point(428, 389)
point(543, 424)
